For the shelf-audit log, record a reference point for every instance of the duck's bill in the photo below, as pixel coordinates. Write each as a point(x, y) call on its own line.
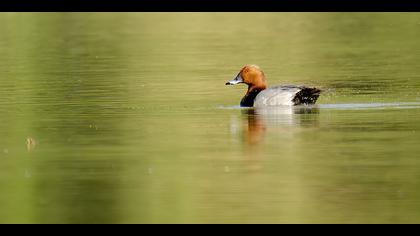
point(238, 79)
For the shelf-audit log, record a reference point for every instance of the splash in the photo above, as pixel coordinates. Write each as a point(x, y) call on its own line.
point(360, 106)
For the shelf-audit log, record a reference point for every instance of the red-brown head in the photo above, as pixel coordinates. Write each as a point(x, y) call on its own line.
point(251, 75)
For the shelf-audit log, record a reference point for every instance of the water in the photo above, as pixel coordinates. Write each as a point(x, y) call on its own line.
point(124, 118)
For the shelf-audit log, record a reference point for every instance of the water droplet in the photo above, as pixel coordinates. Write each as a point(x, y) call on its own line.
point(30, 143)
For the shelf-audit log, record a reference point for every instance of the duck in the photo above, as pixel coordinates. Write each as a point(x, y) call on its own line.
point(260, 95)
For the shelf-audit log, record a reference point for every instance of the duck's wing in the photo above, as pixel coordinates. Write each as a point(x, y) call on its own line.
point(288, 95)
point(307, 96)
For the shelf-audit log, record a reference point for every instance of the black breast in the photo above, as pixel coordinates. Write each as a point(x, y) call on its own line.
point(248, 100)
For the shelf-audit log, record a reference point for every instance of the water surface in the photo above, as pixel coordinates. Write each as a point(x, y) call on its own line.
point(124, 118)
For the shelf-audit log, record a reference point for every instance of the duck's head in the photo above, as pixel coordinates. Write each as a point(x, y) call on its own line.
point(252, 75)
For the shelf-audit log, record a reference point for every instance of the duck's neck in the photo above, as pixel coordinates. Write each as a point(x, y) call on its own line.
point(251, 94)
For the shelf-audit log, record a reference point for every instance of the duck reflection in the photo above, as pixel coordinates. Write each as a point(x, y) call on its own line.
point(260, 119)
point(256, 128)
point(257, 122)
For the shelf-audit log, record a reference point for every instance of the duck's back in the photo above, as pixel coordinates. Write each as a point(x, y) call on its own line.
point(289, 95)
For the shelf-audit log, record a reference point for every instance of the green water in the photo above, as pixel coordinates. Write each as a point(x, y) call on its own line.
point(125, 118)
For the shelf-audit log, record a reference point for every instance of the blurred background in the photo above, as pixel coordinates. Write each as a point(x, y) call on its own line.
point(125, 118)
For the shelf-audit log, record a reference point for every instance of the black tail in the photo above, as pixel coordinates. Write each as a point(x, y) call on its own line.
point(307, 96)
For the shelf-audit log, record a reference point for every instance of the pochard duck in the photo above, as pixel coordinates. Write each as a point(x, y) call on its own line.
point(259, 95)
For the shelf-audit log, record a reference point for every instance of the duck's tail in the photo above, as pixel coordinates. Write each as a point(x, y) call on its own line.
point(306, 96)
